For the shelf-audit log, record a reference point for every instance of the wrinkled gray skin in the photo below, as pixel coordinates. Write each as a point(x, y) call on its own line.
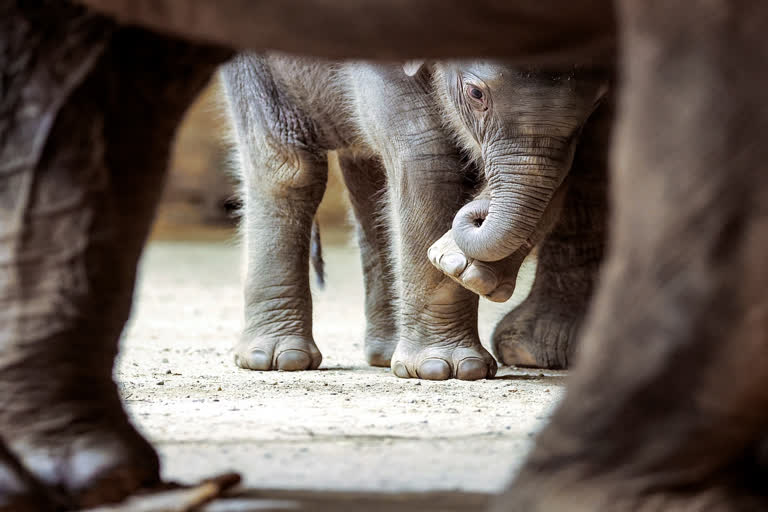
point(569, 242)
point(668, 406)
point(396, 136)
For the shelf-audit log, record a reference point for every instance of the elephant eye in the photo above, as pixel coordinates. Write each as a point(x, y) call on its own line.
point(477, 97)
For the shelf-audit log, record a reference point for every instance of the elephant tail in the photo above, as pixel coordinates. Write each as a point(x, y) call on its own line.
point(316, 254)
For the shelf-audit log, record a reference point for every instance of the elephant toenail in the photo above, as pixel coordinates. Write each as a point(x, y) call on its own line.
point(293, 360)
point(454, 264)
point(432, 254)
point(472, 369)
point(435, 369)
point(480, 279)
point(400, 371)
point(502, 294)
point(256, 360)
point(513, 353)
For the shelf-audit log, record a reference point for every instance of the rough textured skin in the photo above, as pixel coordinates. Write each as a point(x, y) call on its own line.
point(668, 406)
point(525, 136)
point(86, 125)
point(397, 136)
point(542, 331)
point(366, 183)
point(78, 95)
point(288, 113)
point(19, 491)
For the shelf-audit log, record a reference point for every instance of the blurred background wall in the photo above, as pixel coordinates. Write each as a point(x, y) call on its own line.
point(200, 194)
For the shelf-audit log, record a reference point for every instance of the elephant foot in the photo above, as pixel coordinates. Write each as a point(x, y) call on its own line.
point(93, 467)
point(67, 428)
point(537, 334)
point(286, 353)
point(19, 491)
point(379, 350)
point(494, 280)
point(736, 488)
point(443, 361)
point(588, 498)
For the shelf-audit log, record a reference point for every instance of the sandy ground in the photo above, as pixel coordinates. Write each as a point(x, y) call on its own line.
point(344, 427)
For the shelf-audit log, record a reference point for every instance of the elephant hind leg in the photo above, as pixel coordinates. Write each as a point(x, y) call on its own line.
point(365, 179)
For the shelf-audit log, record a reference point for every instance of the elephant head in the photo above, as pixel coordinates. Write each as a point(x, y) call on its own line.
point(521, 126)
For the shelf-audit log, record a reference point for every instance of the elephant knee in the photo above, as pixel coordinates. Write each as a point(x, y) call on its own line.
point(289, 173)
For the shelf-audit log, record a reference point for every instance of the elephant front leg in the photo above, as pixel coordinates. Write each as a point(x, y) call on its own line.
point(75, 219)
point(277, 228)
point(542, 330)
point(366, 182)
point(284, 172)
point(438, 336)
point(19, 490)
point(667, 408)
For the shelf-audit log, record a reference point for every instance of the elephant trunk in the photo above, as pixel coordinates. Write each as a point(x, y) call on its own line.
point(521, 183)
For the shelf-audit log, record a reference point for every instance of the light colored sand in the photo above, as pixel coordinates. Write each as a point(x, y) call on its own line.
point(347, 426)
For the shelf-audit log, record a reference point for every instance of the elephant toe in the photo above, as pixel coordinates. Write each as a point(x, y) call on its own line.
point(475, 369)
point(255, 360)
point(401, 371)
point(294, 360)
point(435, 369)
point(286, 353)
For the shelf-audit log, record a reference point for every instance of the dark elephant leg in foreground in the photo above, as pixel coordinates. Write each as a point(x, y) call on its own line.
point(76, 215)
point(365, 179)
point(543, 329)
point(669, 401)
point(19, 491)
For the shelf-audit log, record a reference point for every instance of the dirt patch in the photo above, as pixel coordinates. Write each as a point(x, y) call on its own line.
point(344, 427)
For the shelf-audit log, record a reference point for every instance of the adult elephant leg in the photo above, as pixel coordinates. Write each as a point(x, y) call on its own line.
point(19, 490)
point(366, 182)
point(542, 330)
point(284, 174)
point(669, 404)
point(75, 220)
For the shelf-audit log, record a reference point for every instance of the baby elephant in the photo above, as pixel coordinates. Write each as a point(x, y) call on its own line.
point(418, 136)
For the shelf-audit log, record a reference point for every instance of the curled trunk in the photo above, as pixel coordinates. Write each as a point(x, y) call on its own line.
point(521, 183)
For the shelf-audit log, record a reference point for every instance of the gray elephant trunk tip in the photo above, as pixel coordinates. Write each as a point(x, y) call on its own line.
point(470, 233)
point(316, 255)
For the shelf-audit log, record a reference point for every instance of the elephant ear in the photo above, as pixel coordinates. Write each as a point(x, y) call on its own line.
point(412, 67)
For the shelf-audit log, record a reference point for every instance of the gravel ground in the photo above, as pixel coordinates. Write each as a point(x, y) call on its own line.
point(344, 427)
